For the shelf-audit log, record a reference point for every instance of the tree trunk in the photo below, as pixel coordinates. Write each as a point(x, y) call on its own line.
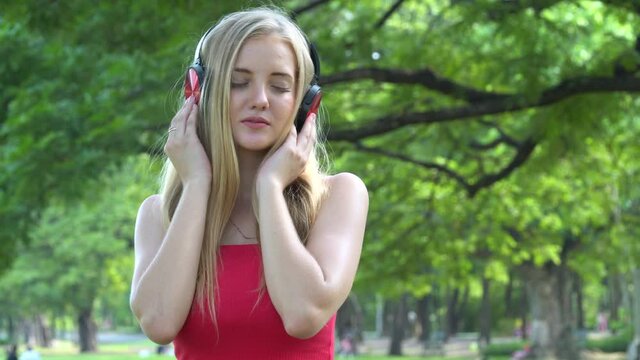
point(349, 321)
point(524, 331)
point(424, 318)
point(399, 325)
point(523, 312)
point(28, 332)
point(485, 313)
point(11, 330)
point(346, 318)
point(508, 298)
point(462, 306)
point(552, 327)
point(579, 302)
point(87, 331)
point(42, 331)
point(379, 315)
point(615, 296)
point(452, 316)
point(388, 311)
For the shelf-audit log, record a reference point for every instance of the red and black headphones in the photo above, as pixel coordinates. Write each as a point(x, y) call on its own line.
point(194, 79)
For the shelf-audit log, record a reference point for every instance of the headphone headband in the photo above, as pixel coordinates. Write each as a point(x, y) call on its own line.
point(316, 61)
point(313, 53)
point(310, 102)
point(196, 56)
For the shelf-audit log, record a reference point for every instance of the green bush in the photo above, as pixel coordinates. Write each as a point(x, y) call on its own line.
point(615, 343)
point(503, 349)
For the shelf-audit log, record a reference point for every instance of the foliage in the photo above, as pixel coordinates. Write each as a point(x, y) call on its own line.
point(614, 343)
point(503, 349)
point(86, 87)
point(81, 254)
point(74, 103)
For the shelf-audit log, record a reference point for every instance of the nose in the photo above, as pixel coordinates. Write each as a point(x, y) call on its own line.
point(259, 99)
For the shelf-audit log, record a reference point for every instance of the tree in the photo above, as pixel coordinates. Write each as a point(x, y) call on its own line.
point(71, 260)
point(450, 110)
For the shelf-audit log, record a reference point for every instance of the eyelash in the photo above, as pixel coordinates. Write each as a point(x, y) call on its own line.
point(238, 85)
point(281, 89)
point(243, 85)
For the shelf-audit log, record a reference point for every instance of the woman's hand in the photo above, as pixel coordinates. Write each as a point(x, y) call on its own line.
point(184, 148)
point(288, 162)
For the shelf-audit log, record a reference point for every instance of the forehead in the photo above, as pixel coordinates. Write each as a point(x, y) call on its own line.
point(267, 53)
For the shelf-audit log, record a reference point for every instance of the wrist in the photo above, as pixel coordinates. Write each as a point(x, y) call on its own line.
point(265, 185)
point(201, 183)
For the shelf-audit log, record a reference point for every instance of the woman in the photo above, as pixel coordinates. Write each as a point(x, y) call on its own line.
point(249, 249)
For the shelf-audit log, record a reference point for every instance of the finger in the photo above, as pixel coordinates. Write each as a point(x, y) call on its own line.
point(306, 132)
point(182, 112)
point(191, 120)
point(312, 136)
point(190, 105)
point(293, 134)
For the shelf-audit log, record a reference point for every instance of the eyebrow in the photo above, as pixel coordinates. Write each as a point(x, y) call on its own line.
point(247, 71)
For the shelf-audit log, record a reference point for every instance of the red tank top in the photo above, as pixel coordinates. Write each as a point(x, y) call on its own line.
point(246, 330)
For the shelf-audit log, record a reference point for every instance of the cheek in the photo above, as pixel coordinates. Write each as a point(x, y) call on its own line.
point(287, 106)
point(234, 103)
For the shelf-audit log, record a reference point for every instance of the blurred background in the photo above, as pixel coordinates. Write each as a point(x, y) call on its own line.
point(499, 140)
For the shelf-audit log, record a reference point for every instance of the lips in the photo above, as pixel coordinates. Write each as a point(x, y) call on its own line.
point(255, 122)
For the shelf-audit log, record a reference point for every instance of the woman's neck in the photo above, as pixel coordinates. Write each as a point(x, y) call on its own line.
point(248, 164)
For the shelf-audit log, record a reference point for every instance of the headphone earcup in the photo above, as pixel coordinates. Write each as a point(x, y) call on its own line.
point(310, 104)
point(193, 82)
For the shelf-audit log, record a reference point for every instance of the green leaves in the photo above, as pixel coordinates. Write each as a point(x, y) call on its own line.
point(82, 252)
point(85, 86)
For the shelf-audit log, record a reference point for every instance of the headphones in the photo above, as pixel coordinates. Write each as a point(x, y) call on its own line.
point(194, 79)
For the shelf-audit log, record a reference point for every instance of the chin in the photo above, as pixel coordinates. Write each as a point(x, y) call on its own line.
point(254, 146)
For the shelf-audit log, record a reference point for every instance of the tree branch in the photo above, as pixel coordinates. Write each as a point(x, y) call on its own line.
point(562, 91)
point(425, 77)
point(522, 154)
point(388, 14)
point(427, 165)
point(304, 8)
point(502, 139)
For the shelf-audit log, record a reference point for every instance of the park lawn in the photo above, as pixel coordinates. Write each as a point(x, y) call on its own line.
point(165, 357)
point(65, 350)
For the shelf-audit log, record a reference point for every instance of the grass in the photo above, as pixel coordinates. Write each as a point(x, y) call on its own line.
point(65, 350)
point(165, 357)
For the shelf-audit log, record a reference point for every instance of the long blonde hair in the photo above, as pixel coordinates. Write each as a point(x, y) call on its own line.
point(303, 196)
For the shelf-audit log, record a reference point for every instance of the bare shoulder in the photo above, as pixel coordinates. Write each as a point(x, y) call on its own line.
point(345, 183)
point(337, 235)
point(149, 232)
point(151, 205)
point(149, 220)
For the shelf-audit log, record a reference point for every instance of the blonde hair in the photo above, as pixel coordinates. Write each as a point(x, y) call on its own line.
point(303, 196)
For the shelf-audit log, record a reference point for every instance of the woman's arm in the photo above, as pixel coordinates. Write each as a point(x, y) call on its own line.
point(166, 262)
point(308, 285)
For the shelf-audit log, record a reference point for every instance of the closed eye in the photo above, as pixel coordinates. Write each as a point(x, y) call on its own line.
point(281, 89)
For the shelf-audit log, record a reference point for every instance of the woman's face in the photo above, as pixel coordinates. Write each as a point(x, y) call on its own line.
point(262, 92)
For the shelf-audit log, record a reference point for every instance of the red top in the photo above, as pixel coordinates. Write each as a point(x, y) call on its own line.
point(246, 330)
